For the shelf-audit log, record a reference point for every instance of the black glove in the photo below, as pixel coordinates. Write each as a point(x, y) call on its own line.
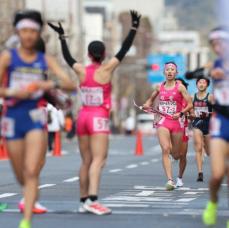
point(58, 29)
point(135, 16)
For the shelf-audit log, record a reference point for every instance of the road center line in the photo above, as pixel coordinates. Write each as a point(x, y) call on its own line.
point(6, 195)
point(144, 163)
point(73, 179)
point(132, 166)
point(46, 186)
point(115, 170)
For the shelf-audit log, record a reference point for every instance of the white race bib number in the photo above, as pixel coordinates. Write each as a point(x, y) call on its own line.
point(200, 110)
point(221, 93)
point(101, 124)
point(92, 96)
point(168, 107)
point(21, 80)
point(38, 115)
point(7, 127)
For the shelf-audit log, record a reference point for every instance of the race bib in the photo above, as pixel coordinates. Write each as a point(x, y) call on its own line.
point(168, 107)
point(92, 96)
point(101, 124)
point(8, 127)
point(200, 110)
point(221, 93)
point(20, 80)
point(38, 115)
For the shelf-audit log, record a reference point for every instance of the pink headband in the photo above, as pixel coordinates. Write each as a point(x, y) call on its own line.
point(170, 65)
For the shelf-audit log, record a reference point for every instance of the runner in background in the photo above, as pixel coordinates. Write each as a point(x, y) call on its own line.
point(184, 146)
point(24, 121)
point(219, 143)
point(170, 128)
point(93, 118)
point(55, 124)
point(202, 104)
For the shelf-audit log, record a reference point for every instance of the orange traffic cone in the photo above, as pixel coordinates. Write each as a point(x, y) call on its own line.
point(3, 150)
point(57, 145)
point(139, 146)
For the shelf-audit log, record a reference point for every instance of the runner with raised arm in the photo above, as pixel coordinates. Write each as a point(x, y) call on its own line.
point(93, 118)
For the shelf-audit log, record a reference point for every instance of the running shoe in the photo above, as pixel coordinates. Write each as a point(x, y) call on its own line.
point(179, 183)
point(200, 177)
point(209, 216)
point(170, 186)
point(96, 208)
point(81, 209)
point(25, 224)
point(3, 206)
point(38, 208)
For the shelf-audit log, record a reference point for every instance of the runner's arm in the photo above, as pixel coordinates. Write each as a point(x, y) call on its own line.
point(150, 101)
point(78, 68)
point(64, 82)
point(211, 99)
point(187, 98)
point(4, 63)
point(127, 43)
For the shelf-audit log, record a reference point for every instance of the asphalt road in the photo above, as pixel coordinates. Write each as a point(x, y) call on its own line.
point(132, 186)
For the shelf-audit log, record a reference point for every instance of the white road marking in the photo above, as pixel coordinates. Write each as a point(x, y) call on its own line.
point(127, 205)
point(185, 200)
point(6, 195)
point(46, 186)
point(144, 163)
point(132, 166)
point(145, 193)
point(115, 170)
point(192, 193)
point(148, 188)
point(203, 189)
point(73, 179)
point(155, 160)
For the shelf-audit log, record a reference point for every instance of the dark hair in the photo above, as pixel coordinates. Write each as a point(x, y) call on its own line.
point(96, 50)
point(28, 14)
point(171, 62)
point(203, 77)
point(184, 83)
point(40, 45)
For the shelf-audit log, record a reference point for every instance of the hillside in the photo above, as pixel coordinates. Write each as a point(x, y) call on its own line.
point(195, 14)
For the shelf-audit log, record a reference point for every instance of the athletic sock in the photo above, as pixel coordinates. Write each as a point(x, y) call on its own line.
point(93, 198)
point(83, 199)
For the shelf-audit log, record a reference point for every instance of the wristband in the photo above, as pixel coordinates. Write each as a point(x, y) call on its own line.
point(181, 114)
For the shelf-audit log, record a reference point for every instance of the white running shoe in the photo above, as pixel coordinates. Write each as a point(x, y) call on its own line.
point(96, 208)
point(170, 186)
point(38, 208)
point(81, 209)
point(179, 183)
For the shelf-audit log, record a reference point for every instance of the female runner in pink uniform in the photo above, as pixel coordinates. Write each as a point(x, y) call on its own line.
point(169, 129)
point(93, 119)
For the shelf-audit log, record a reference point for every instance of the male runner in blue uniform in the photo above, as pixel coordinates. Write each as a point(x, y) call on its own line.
point(24, 122)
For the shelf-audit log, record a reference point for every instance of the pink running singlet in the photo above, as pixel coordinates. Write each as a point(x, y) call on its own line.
point(170, 102)
point(93, 118)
